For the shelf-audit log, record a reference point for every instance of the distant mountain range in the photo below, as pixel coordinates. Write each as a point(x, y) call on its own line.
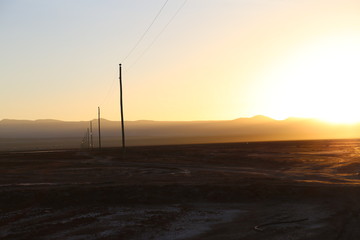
point(144, 132)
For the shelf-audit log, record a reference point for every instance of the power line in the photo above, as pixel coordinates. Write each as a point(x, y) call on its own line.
point(159, 34)
point(111, 88)
point(146, 31)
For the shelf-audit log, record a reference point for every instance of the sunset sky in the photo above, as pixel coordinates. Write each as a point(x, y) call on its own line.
point(199, 60)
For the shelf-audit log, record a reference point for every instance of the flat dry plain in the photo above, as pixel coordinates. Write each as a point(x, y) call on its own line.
point(259, 190)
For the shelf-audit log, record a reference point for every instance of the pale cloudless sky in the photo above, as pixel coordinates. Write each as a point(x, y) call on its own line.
point(217, 59)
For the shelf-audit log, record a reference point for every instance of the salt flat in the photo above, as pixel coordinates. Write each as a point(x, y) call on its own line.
point(289, 190)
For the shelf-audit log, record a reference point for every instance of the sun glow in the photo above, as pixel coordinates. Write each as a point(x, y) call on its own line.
point(320, 80)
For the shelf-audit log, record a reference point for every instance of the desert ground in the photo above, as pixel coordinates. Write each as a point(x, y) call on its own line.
point(257, 190)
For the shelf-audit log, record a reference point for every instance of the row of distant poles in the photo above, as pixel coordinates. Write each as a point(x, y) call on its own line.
point(88, 142)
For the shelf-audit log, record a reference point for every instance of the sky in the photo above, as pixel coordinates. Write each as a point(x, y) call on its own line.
point(181, 60)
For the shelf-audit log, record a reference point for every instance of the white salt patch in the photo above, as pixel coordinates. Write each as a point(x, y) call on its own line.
point(197, 222)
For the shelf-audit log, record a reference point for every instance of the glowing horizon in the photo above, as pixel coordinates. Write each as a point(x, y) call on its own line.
point(325, 121)
point(277, 59)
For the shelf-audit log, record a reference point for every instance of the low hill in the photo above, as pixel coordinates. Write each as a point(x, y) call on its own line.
point(143, 132)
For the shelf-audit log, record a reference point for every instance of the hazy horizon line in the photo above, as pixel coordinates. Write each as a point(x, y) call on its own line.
point(150, 120)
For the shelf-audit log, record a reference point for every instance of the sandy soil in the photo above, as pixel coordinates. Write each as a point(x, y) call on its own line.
point(269, 190)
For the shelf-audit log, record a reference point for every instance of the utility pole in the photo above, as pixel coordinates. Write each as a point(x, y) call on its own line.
point(88, 137)
point(83, 143)
point(99, 128)
point(91, 136)
point(121, 110)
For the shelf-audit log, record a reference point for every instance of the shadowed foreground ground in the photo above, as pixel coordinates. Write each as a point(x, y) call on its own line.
point(273, 190)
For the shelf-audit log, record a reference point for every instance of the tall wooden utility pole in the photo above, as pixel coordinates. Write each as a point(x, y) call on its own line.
point(88, 137)
point(91, 136)
point(99, 128)
point(121, 110)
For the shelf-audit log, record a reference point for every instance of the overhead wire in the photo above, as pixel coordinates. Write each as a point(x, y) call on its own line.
point(146, 31)
point(111, 88)
point(134, 47)
point(159, 34)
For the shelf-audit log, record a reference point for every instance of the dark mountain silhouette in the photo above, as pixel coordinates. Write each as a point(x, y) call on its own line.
point(257, 118)
point(145, 132)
